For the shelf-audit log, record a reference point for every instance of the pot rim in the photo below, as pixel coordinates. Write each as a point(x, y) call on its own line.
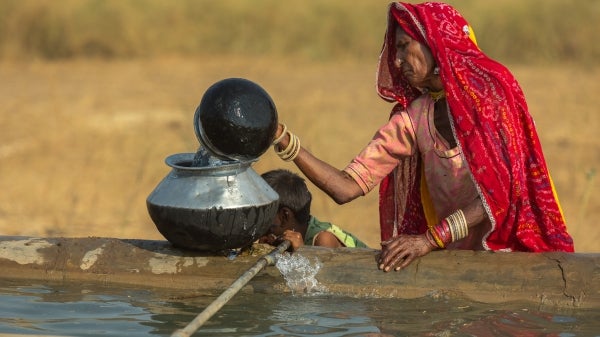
point(183, 161)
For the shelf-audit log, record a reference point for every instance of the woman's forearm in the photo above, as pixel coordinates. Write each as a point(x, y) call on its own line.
point(475, 213)
point(334, 182)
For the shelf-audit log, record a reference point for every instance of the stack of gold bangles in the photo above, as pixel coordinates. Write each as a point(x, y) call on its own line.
point(291, 151)
point(451, 229)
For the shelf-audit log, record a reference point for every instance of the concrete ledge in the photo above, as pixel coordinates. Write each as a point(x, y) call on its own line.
point(557, 279)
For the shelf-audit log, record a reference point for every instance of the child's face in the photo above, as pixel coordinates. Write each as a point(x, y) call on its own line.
point(281, 222)
point(280, 225)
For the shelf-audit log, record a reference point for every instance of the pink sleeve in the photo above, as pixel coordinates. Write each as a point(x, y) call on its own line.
point(393, 141)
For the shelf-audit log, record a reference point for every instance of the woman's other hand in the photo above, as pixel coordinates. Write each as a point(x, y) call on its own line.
point(400, 251)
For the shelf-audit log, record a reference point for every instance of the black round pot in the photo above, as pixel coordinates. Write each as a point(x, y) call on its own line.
point(236, 120)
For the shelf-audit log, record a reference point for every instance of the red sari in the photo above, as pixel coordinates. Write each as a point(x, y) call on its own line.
point(492, 126)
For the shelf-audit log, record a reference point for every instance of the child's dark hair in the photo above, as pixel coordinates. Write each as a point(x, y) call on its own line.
point(293, 192)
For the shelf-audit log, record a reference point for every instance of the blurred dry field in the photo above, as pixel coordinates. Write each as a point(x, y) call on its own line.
point(83, 143)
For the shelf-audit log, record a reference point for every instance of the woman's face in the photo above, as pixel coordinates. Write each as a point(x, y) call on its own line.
point(413, 60)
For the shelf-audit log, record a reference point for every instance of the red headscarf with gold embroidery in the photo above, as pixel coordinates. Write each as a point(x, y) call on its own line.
point(492, 125)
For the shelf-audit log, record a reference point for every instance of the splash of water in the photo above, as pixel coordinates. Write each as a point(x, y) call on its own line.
point(299, 273)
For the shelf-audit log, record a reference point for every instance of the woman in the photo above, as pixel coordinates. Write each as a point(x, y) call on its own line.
point(459, 163)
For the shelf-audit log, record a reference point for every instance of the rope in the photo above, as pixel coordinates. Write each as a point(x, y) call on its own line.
point(208, 312)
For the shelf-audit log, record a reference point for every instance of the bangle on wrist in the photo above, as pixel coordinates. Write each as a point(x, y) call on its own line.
point(436, 237)
point(431, 240)
point(450, 229)
point(457, 224)
point(292, 150)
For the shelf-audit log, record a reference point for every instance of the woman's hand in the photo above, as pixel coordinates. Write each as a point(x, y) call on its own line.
point(279, 136)
point(400, 251)
point(296, 240)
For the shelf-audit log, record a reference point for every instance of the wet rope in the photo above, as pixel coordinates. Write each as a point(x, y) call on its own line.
point(208, 312)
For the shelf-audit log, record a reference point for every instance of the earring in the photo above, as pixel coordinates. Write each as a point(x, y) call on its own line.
point(436, 70)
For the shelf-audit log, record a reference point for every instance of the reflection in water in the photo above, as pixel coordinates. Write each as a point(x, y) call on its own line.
point(319, 316)
point(35, 308)
point(95, 310)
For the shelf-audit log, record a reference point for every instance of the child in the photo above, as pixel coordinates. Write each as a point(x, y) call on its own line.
point(293, 220)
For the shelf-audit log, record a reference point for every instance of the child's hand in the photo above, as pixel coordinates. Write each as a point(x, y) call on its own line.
point(296, 240)
point(270, 239)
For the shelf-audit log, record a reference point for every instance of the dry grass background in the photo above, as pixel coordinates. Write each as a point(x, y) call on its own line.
point(83, 140)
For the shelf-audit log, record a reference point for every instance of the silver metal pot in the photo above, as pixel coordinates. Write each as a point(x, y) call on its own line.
point(212, 207)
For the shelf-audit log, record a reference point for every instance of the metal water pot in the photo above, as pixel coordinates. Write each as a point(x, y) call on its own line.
point(212, 208)
point(214, 200)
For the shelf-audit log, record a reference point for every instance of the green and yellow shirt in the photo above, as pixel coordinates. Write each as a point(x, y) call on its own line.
point(315, 226)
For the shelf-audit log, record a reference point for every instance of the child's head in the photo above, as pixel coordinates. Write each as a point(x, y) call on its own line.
point(293, 193)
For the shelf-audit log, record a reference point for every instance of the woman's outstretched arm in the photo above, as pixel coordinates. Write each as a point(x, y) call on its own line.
point(340, 186)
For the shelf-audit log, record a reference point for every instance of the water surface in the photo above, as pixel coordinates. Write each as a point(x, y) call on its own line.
point(96, 310)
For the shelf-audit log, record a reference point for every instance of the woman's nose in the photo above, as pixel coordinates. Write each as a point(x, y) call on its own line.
point(397, 62)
